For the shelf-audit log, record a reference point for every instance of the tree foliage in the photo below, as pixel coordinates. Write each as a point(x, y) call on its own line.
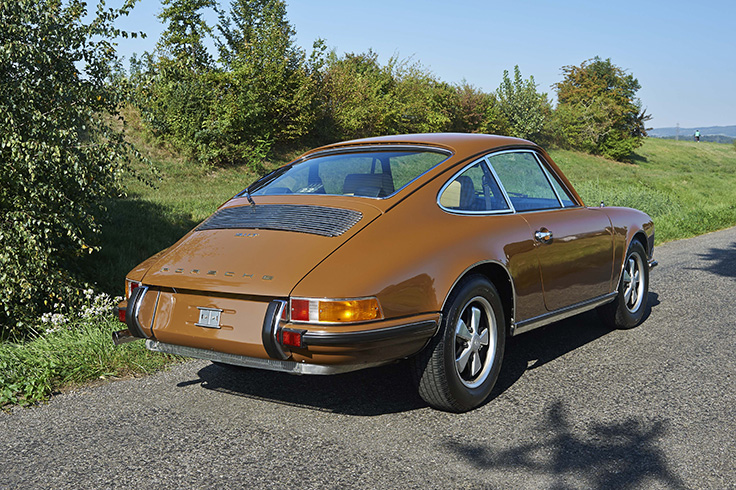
point(260, 91)
point(598, 110)
point(182, 42)
point(363, 98)
point(267, 87)
point(521, 107)
point(475, 111)
point(59, 155)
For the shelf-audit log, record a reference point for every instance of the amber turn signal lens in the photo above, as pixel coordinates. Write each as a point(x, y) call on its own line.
point(359, 310)
point(335, 311)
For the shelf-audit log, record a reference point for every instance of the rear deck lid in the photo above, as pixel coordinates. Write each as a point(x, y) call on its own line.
point(259, 250)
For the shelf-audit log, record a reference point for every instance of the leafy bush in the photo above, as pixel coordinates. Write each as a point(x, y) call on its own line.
point(261, 92)
point(363, 98)
point(598, 111)
point(59, 155)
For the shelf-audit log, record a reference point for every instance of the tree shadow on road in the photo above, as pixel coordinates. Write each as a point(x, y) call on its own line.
point(720, 261)
point(389, 389)
point(621, 454)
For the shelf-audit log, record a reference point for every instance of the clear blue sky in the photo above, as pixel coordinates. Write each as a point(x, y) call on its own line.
point(682, 53)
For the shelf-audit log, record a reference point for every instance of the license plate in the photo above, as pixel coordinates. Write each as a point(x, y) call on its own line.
point(209, 317)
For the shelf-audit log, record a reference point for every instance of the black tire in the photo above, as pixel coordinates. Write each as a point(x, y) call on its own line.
point(627, 310)
point(458, 369)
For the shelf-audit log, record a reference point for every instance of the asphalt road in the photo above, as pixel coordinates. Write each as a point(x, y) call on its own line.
point(577, 406)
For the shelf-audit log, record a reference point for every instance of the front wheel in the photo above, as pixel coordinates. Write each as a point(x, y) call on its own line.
point(457, 370)
point(627, 310)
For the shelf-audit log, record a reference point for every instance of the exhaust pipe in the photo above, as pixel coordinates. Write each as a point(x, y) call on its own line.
point(123, 337)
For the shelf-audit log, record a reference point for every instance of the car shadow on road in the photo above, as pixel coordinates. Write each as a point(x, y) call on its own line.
point(601, 455)
point(538, 347)
point(389, 389)
point(370, 392)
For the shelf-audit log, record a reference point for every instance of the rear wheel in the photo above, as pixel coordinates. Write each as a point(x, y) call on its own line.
point(627, 310)
point(457, 370)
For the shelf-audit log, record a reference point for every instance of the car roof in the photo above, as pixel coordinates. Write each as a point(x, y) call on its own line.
point(459, 143)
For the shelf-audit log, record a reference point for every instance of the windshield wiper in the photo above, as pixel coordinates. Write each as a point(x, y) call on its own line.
point(250, 199)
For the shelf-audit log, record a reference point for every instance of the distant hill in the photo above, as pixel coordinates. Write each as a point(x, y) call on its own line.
point(718, 134)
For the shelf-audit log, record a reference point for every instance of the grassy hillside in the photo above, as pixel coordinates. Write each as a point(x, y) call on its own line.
point(687, 187)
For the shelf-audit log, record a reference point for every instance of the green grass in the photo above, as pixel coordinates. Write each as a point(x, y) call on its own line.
point(687, 188)
point(77, 353)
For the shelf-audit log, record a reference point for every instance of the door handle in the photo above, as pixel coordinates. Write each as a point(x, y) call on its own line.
point(543, 236)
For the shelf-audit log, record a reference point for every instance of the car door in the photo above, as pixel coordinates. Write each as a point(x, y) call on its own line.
point(574, 244)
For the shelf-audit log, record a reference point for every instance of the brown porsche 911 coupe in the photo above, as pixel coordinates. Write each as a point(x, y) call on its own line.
point(428, 247)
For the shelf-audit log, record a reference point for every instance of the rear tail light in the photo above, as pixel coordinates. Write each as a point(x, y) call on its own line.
point(292, 338)
point(335, 310)
point(130, 286)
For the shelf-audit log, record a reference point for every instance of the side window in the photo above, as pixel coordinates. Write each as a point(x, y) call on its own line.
point(473, 190)
point(524, 181)
point(564, 196)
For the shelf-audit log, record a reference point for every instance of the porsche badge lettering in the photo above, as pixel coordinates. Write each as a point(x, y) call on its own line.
point(247, 235)
point(209, 317)
point(248, 275)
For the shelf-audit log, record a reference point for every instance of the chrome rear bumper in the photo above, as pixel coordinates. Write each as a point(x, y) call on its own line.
point(269, 364)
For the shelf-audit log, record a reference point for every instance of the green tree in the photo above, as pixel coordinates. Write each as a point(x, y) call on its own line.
point(175, 90)
point(363, 98)
point(59, 155)
point(523, 109)
point(182, 40)
point(266, 90)
point(598, 110)
point(475, 111)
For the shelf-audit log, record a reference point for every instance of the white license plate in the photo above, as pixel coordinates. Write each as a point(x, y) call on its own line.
point(209, 317)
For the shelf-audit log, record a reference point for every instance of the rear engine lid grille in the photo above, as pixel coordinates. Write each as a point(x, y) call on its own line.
point(316, 220)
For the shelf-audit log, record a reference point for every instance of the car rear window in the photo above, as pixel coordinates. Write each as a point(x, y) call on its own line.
point(374, 173)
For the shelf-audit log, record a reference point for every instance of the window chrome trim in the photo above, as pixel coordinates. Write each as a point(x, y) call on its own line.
point(482, 161)
point(544, 172)
point(498, 179)
point(541, 162)
point(551, 177)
